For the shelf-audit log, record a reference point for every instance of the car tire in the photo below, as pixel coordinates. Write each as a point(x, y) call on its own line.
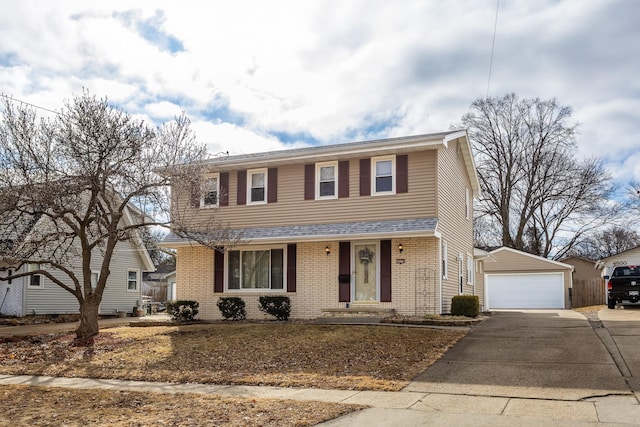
point(611, 304)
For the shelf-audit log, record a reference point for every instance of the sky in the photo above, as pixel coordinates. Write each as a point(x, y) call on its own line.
point(256, 76)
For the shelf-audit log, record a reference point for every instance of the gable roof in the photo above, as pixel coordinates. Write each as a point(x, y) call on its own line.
point(534, 259)
point(602, 262)
point(378, 147)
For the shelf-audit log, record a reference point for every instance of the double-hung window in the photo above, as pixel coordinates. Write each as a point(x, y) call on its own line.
point(132, 280)
point(210, 191)
point(470, 269)
point(257, 188)
point(383, 176)
point(444, 254)
point(256, 269)
point(327, 180)
point(35, 280)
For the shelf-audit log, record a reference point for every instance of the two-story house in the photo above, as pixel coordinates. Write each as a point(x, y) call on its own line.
point(381, 225)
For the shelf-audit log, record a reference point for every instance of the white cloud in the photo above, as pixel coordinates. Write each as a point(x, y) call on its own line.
point(329, 71)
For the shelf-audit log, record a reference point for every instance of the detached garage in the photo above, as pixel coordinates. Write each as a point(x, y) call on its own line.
point(516, 279)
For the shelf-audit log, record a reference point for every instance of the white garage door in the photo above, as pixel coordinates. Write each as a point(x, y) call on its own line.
point(525, 290)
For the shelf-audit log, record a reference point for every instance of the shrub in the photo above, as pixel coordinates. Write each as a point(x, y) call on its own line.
point(465, 305)
point(182, 310)
point(280, 307)
point(232, 308)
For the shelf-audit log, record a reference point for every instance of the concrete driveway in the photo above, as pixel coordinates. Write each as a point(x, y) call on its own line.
point(623, 325)
point(542, 354)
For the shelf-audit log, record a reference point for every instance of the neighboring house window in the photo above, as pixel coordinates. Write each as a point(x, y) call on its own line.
point(461, 273)
point(257, 269)
point(469, 269)
point(132, 280)
point(445, 261)
point(210, 191)
point(383, 175)
point(94, 280)
point(257, 188)
point(327, 179)
point(35, 280)
point(467, 206)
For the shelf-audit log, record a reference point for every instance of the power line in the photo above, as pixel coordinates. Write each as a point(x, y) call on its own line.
point(10, 98)
point(493, 45)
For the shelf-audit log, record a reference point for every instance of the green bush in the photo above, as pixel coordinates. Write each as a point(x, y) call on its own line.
point(232, 308)
point(280, 307)
point(183, 310)
point(465, 305)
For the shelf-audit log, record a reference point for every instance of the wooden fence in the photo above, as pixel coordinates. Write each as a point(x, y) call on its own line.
point(588, 292)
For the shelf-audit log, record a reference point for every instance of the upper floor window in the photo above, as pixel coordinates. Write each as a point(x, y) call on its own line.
point(327, 180)
point(257, 188)
point(256, 269)
point(383, 175)
point(467, 204)
point(211, 191)
point(35, 280)
point(132, 280)
point(444, 253)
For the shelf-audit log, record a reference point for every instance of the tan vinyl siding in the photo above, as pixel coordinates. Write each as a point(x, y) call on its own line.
point(52, 299)
point(456, 229)
point(509, 261)
point(292, 209)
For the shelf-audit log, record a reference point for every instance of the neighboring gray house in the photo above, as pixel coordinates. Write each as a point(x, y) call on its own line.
point(36, 294)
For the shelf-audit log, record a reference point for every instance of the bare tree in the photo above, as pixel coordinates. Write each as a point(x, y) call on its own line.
point(535, 191)
point(606, 243)
point(88, 178)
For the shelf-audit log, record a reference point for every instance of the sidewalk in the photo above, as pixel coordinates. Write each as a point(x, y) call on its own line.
point(396, 408)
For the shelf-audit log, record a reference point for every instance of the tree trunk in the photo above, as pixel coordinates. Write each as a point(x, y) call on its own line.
point(88, 318)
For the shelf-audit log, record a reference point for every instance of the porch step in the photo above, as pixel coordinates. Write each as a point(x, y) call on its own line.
point(330, 320)
point(353, 315)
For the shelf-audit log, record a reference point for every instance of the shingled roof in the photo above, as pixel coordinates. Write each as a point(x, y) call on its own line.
point(333, 231)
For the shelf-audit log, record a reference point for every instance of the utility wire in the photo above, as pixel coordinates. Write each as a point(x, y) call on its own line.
point(10, 98)
point(493, 45)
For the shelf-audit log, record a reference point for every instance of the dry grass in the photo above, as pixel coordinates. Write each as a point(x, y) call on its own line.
point(44, 406)
point(589, 309)
point(281, 354)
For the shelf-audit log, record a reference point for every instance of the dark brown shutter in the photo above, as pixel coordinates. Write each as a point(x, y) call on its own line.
point(224, 189)
point(195, 193)
point(385, 270)
point(218, 270)
point(365, 177)
point(272, 185)
point(343, 179)
point(291, 267)
point(402, 174)
point(309, 182)
point(242, 188)
point(344, 272)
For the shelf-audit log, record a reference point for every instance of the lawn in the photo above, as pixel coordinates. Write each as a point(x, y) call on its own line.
point(286, 354)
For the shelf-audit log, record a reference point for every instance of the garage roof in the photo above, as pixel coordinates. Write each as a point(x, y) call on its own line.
point(508, 259)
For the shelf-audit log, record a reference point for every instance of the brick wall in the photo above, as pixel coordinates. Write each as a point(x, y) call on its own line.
point(317, 280)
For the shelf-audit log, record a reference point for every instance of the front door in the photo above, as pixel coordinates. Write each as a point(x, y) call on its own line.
point(365, 275)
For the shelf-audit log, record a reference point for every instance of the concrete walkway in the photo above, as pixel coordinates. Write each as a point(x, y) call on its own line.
point(546, 368)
